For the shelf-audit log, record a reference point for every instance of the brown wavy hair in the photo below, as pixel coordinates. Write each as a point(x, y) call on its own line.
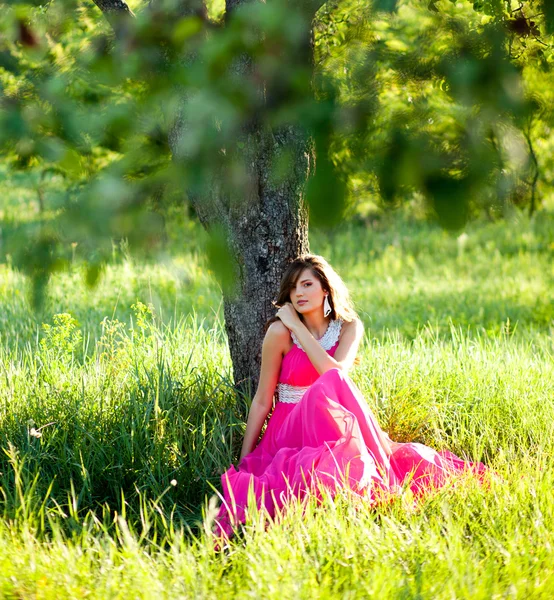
point(339, 296)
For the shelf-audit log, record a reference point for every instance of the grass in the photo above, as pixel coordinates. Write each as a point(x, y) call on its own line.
point(117, 416)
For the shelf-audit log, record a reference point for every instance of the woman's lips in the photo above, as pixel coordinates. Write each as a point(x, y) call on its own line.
point(302, 301)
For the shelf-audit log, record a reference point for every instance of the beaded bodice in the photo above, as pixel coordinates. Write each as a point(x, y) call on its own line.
point(297, 372)
point(330, 337)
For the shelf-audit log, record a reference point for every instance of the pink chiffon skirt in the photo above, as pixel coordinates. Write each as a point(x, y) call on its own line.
point(330, 439)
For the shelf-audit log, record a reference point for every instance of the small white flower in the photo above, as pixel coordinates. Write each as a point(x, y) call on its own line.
point(173, 482)
point(36, 432)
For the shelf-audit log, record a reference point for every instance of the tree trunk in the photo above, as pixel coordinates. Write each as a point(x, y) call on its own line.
point(265, 221)
point(265, 238)
point(536, 174)
point(265, 230)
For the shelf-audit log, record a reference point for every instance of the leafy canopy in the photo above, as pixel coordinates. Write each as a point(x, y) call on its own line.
point(142, 111)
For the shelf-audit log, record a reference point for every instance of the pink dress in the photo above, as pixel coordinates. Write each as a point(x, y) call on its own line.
point(322, 432)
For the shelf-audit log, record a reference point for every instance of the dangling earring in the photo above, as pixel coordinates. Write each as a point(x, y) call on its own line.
point(326, 306)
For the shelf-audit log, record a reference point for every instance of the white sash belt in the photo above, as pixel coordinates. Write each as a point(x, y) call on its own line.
point(291, 394)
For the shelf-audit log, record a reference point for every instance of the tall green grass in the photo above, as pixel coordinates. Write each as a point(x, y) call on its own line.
point(461, 543)
point(117, 417)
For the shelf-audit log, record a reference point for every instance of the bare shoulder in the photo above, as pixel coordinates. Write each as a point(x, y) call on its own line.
point(278, 335)
point(355, 326)
point(278, 332)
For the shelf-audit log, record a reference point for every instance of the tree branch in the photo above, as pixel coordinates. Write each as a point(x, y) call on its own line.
point(116, 13)
point(110, 7)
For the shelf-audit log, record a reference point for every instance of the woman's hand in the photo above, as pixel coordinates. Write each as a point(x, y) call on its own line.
point(288, 315)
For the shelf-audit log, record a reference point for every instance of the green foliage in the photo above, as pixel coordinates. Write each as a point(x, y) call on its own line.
point(220, 259)
point(497, 8)
point(548, 15)
point(446, 96)
point(448, 101)
point(113, 430)
point(63, 337)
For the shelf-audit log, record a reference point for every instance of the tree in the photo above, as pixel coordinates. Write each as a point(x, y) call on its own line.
point(261, 116)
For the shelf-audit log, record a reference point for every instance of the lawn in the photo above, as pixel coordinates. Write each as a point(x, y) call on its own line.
point(117, 416)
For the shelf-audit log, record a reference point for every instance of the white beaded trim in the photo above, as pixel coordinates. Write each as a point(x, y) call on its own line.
point(291, 394)
point(330, 337)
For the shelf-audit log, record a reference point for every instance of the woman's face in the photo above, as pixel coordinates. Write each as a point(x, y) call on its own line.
point(307, 295)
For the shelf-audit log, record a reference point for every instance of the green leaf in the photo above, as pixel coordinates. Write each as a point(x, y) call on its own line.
point(220, 259)
point(450, 199)
point(548, 10)
point(433, 6)
point(185, 29)
point(325, 194)
point(385, 5)
point(71, 163)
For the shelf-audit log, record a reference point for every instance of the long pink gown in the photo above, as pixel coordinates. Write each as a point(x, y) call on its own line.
point(321, 432)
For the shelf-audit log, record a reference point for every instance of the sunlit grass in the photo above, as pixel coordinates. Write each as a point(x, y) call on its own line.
point(117, 416)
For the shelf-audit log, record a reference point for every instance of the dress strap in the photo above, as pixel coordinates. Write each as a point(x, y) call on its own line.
point(330, 337)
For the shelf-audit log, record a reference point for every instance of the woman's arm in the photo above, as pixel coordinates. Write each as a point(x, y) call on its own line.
point(343, 359)
point(344, 354)
point(273, 348)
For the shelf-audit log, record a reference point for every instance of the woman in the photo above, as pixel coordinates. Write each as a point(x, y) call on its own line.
point(321, 431)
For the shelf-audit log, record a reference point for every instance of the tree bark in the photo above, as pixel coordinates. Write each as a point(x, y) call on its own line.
point(265, 222)
point(116, 12)
point(266, 226)
point(110, 7)
point(536, 175)
point(265, 232)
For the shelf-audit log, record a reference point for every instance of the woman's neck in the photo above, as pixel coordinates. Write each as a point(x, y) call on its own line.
point(316, 324)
